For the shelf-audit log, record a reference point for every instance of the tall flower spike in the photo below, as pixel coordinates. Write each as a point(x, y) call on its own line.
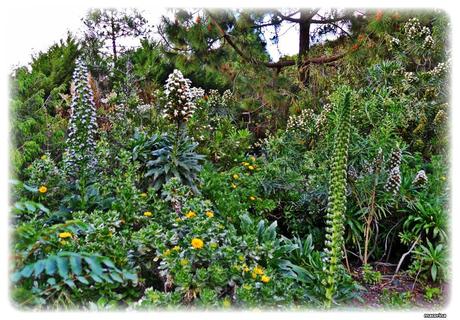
point(79, 157)
point(337, 200)
point(394, 181)
point(180, 106)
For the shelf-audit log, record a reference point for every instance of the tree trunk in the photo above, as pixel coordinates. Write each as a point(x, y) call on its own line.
point(304, 44)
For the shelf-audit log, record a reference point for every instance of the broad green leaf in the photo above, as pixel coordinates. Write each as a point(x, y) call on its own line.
point(94, 264)
point(39, 267)
point(63, 267)
point(75, 264)
point(83, 280)
point(50, 266)
point(115, 276)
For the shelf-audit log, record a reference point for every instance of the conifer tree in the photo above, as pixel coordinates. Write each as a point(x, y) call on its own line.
point(79, 157)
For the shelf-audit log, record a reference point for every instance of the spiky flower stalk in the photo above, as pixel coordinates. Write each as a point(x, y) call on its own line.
point(393, 182)
point(337, 200)
point(80, 157)
point(179, 106)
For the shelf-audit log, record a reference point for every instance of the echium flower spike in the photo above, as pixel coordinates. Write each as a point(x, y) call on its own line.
point(180, 104)
point(79, 157)
point(337, 200)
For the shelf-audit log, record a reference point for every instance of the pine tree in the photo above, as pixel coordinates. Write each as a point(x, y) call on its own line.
point(337, 201)
point(79, 157)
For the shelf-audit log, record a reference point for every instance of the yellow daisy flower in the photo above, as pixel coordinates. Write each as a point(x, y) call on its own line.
point(209, 214)
point(258, 270)
point(197, 243)
point(265, 279)
point(42, 189)
point(236, 176)
point(190, 214)
point(64, 235)
point(147, 214)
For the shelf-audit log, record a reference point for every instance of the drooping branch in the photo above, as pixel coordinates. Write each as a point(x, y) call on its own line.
point(275, 65)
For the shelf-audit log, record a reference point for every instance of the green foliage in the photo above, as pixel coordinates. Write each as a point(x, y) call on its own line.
point(395, 299)
point(370, 276)
point(171, 158)
point(432, 293)
point(433, 259)
point(221, 197)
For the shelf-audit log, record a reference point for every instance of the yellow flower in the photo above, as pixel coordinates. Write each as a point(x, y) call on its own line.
point(110, 233)
point(251, 168)
point(265, 279)
point(245, 163)
point(209, 214)
point(252, 158)
point(254, 275)
point(42, 189)
point(183, 262)
point(236, 176)
point(245, 269)
point(43, 157)
point(167, 253)
point(178, 219)
point(197, 243)
point(147, 214)
point(233, 186)
point(64, 235)
point(226, 303)
point(176, 248)
point(190, 214)
point(258, 270)
point(143, 195)
point(252, 198)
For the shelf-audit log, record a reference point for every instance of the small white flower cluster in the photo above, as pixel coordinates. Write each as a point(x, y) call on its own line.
point(80, 153)
point(322, 117)
point(413, 29)
point(301, 121)
point(179, 106)
point(410, 77)
point(440, 69)
point(197, 93)
point(392, 41)
point(428, 43)
point(144, 108)
point(217, 101)
point(420, 178)
point(441, 116)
